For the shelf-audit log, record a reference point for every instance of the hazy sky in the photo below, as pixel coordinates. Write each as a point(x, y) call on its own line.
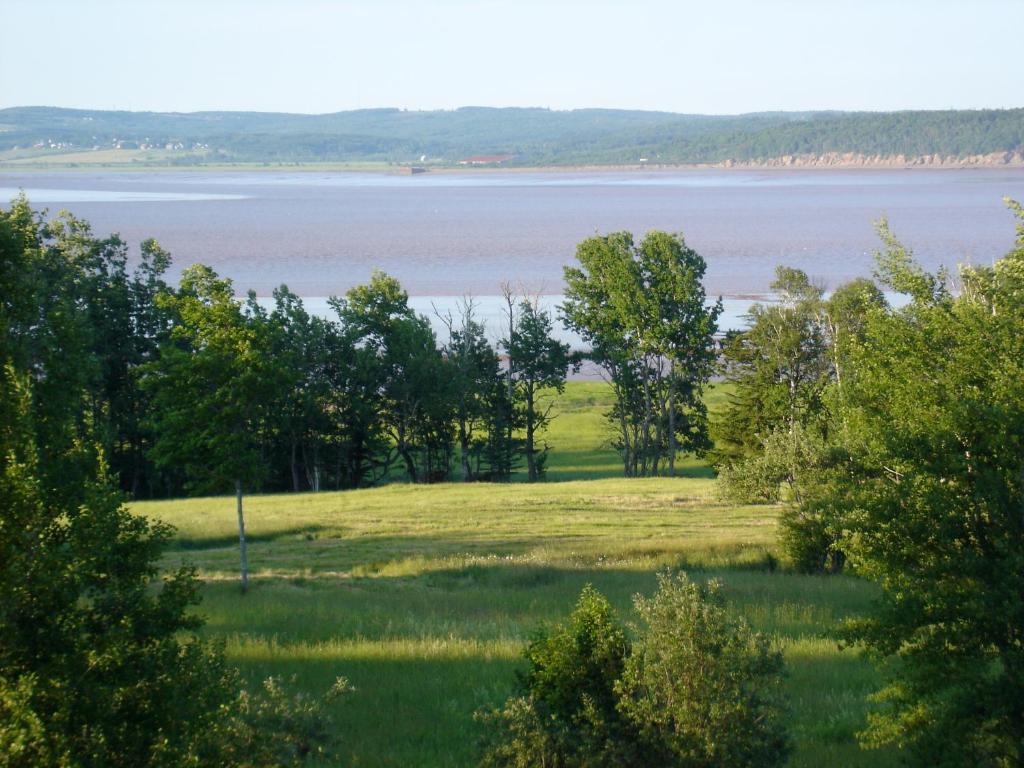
point(707, 56)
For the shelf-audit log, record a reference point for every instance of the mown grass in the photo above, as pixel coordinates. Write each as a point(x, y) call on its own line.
point(581, 438)
point(425, 596)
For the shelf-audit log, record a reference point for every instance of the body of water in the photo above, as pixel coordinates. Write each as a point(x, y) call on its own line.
point(453, 234)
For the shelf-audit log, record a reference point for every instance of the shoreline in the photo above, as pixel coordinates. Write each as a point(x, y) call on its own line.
point(1015, 161)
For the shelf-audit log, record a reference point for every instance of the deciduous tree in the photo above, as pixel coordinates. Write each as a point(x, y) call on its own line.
point(934, 402)
point(643, 311)
point(537, 366)
point(212, 388)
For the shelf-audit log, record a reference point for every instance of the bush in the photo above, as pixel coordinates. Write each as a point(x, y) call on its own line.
point(22, 733)
point(810, 540)
point(566, 712)
point(807, 473)
point(272, 728)
point(697, 689)
point(785, 467)
point(702, 689)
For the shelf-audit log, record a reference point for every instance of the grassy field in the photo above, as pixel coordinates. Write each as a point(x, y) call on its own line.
point(158, 160)
point(424, 596)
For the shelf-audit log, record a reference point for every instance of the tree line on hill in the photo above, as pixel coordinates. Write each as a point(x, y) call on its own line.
point(533, 136)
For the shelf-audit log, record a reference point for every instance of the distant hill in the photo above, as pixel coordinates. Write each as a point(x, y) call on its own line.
point(533, 137)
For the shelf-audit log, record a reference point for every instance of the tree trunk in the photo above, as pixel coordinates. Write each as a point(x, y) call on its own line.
point(241, 536)
point(410, 463)
point(467, 472)
point(296, 482)
point(648, 457)
point(311, 467)
point(316, 469)
point(531, 460)
point(510, 436)
point(672, 421)
point(627, 448)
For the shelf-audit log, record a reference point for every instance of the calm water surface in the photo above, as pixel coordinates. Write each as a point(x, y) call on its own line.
point(465, 233)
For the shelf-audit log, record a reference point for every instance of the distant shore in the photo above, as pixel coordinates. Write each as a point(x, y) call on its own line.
point(826, 162)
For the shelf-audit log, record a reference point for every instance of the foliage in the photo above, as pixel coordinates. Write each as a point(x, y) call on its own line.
point(643, 311)
point(788, 460)
point(781, 436)
point(702, 690)
point(23, 737)
point(779, 368)
point(308, 352)
point(101, 663)
point(484, 413)
point(811, 536)
point(409, 379)
point(695, 689)
point(536, 136)
point(935, 408)
point(212, 385)
point(190, 389)
point(85, 325)
point(269, 727)
point(537, 362)
point(567, 712)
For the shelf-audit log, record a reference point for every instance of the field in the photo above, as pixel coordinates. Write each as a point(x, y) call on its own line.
point(424, 596)
point(109, 159)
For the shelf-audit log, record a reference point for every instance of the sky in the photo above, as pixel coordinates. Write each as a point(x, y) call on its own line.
point(315, 56)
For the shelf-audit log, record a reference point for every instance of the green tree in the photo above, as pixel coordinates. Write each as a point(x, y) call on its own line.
point(102, 666)
point(537, 365)
point(212, 388)
point(934, 407)
point(304, 349)
point(92, 325)
point(476, 389)
point(48, 331)
point(813, 461)
point(780, 436)
point(679, 328)
point(406, 374)
point(779, 368)
point(100, 662)
point(643, 311)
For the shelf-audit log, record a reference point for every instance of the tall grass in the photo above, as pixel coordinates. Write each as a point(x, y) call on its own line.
point(425, 596)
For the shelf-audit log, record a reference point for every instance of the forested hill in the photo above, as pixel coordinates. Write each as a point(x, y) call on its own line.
point(532, 137)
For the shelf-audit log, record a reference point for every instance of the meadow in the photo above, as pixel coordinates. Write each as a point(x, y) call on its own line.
point(424, 596)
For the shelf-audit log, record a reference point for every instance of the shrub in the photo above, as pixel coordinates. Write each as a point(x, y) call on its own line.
point(702, 689)
point(566, 712)
point(810, 540)
point(696, 690)
point(808, 474)
point(269, 727)
point(22, 733)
